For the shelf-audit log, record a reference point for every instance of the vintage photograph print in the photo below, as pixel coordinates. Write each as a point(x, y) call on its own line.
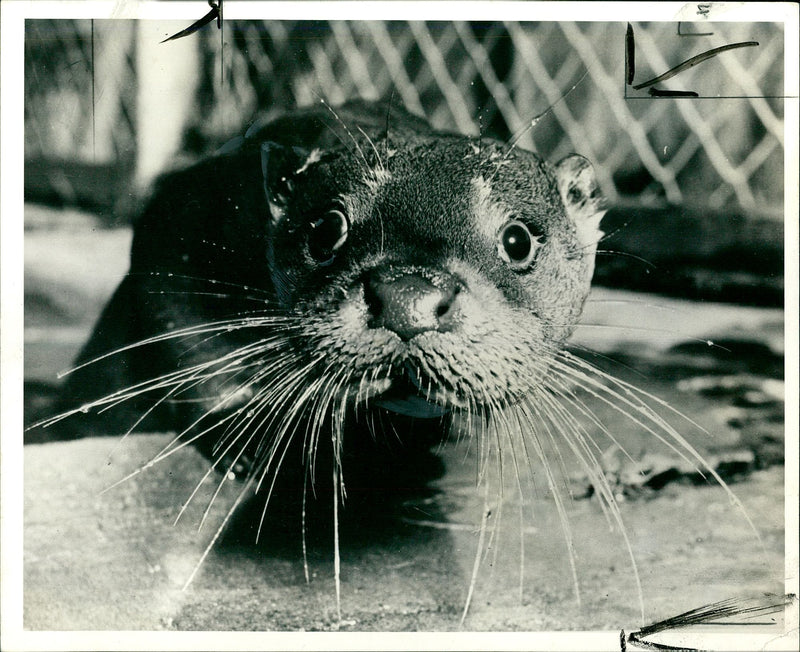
point(391, 322)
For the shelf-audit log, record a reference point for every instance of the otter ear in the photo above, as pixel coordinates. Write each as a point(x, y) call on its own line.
point(280, 167)
point(582, 198)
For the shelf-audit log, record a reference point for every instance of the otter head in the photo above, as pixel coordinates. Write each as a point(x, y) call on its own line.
point(434, 273)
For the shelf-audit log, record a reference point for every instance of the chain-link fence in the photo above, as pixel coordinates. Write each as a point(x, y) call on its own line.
point(723, 150)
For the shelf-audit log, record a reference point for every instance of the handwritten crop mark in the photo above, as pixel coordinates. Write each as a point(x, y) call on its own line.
point(630, 66)
point(215, 13)
point(710, 614)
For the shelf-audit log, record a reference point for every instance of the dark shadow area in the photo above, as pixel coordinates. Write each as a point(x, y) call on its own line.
point(386, 485)
point(694, 254)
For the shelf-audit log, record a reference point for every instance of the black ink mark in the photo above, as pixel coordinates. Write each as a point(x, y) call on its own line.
point(690, 63)
point(680, 33)
point(703, 10)
point(630, 55)
point(657, 92)
point(708, 615)
point(215, 13)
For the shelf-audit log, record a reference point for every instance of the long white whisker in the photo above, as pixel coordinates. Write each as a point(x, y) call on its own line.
point(551, 482)
point(478, 551)
point(210, 281)
point(198, 329)
point(210, 545)
point(582, 452)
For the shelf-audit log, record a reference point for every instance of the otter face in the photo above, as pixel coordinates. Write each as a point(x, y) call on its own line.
point(435, 274)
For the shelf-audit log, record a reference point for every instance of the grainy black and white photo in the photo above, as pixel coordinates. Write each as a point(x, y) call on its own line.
point(398, 324)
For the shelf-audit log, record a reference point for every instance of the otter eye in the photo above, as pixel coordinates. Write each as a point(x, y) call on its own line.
point(327, 235)
point(517, 244)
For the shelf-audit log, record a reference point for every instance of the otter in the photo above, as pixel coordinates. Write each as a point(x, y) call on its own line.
point(338, 291)
point(345, 257)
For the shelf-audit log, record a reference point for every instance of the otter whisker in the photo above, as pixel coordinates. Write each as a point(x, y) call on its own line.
point(165, 452)
point(283, 422)
point(322, 409)
point(178, 380)
point(320, 402)
point(510, 437)
point(169, 448)
point(591, 466)
point(497, 418)
point(524, 411)
point(337, 571)
point(557, 449)
point(381, 166)
point(581, 435)
point(521, 546)
point(219, 531)
point(208, 294)
point(629, 389)
point(636, 303)
point(573, 434)
point(276, 340)
point(263, 468)
point(608, 358)
point(211, 281)
point(243, 429)
point(669, 431)
point(506, 429)
point(531, 124)
point(339, 493)
point(479, 549)
point(198, 329)
point(234, 365)
point(643, 329)
point(283, 366)
point(303, 527)
point(497, 415)
point(625, 254)
point(568, 394)
point(86, 407)
point(199, 484)
point(347, 131)
point(224, 477)
point(608, 396)
point(328, 389)
point(301, 404)
point(338, 434)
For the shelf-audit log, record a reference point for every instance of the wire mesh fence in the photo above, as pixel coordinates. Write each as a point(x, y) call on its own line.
point(80, 111)
point(723, 150)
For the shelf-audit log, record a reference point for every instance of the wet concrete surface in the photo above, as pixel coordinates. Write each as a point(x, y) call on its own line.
point(115, 560)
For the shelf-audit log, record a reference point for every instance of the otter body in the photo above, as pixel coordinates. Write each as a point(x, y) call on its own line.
point(333, 289)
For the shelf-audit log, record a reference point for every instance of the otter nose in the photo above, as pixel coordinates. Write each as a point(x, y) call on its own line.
point(410, 301)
